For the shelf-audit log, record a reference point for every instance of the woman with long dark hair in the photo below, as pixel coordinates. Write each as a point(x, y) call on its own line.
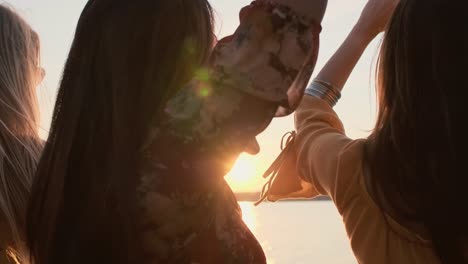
point(402, 191)
point(20, 145)
point(148, 120)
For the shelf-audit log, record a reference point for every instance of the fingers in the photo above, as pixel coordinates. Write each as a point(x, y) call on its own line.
point(308, 191)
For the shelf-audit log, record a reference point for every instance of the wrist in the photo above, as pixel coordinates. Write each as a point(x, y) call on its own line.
point(363, 35)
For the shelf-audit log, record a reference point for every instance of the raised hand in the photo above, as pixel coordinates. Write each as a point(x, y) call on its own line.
point(375, 16)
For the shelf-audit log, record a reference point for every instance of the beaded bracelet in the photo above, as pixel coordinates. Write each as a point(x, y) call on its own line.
point(325, 91)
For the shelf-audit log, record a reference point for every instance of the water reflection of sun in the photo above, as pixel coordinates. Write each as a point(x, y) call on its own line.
point(244, 177)
point(249, 215)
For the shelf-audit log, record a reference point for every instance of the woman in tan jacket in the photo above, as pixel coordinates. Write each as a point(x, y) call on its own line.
point(402, 191)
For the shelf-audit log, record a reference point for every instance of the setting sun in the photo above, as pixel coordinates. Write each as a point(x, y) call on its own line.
point(245, 174)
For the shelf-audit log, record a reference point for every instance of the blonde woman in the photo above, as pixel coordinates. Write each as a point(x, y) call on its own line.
point(20, 146)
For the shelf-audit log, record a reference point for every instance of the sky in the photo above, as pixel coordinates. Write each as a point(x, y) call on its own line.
point(55, 22)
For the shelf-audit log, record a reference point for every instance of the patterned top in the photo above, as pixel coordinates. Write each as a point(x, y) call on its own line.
point(189, 213)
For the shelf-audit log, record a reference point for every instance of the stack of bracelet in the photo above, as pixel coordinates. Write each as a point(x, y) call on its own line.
point(325, 91)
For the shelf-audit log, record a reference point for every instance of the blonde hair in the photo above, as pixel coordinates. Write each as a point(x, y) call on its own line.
point(20, 145)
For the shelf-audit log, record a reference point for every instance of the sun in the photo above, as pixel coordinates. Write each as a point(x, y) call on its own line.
point(244, 174)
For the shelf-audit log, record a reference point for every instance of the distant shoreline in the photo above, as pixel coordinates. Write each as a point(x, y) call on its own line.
point(254, 196)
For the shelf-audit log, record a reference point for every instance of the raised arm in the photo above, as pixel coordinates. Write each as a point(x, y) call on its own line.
point(320, 134)
point(373, 20)
point(321, 139)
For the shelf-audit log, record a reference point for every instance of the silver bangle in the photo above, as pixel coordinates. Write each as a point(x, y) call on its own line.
point(325, 91)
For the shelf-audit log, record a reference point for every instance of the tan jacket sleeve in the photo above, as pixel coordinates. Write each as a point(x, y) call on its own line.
point(319, 144)
point(333, 164)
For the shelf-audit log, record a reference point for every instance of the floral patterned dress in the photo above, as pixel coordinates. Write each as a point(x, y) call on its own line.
point(188, 212)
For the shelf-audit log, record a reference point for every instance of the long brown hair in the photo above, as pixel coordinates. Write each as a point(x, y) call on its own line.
point(416, 154)
point(126, 60)
point(20, 145)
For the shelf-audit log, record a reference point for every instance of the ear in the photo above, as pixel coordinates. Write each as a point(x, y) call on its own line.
point(310, 8)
